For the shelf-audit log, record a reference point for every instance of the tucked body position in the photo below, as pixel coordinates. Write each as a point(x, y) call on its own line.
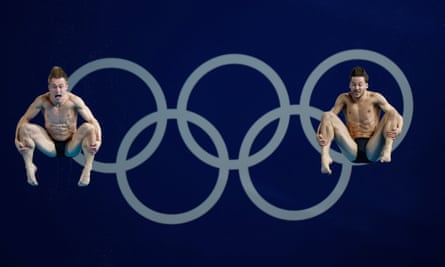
point(60, 136)
point(366, 136)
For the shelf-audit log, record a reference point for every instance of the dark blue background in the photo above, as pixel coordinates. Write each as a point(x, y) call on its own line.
point(390, 214)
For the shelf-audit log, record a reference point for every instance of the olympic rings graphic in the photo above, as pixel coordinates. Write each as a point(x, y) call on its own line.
point(245, 160)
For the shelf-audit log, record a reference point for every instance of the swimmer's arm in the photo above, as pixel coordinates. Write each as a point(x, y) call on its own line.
point(382, 103)
point(88, 116)
point(385, 106)
point(33, 110)
point(339, 105)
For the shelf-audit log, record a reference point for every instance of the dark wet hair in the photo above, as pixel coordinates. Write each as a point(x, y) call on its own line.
point(359, 72)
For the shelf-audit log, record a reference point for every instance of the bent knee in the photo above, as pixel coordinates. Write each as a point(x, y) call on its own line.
point(87, 128)
point(390, 116)
point(27, 130)
point(328, 116)
point(393, 115)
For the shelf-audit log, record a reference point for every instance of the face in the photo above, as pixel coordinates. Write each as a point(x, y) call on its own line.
point(58, 90)
point(358, 87)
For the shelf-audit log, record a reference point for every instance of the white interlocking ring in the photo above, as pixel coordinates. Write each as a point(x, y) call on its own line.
point(245, 159)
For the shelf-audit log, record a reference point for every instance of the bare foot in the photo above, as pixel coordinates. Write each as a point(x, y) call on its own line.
point(385, 156)
point(326, 161)
point(31, 175)
point(84, 178)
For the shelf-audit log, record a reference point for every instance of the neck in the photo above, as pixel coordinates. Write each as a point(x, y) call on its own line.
point(57, 104)
point(357, 99)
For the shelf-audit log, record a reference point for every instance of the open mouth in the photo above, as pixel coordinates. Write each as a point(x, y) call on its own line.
point(58, 96)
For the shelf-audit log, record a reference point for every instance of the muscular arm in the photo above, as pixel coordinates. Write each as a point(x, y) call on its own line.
point(30, 113)
point(339, 104)
point(87, 115)
point(384, 105)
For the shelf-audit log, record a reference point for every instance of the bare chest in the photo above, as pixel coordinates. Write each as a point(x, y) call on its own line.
point(362, 114)
point(360, 111)
point(63, 114)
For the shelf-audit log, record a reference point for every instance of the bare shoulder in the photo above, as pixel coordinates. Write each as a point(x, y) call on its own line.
point(41, 100)
point(376, 96)
point(344, 98)
point(77, 100)
point(340, 103)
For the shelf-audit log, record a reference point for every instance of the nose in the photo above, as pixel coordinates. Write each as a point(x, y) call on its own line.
point(59, 88)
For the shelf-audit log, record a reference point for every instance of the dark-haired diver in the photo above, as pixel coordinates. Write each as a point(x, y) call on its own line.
point(365, 137)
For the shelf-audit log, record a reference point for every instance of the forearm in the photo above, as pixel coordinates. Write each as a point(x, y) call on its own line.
point(400, 122)
point(20, 124)
point(98, 131)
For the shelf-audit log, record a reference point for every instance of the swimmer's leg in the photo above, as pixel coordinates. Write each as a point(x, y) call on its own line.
point(326, 160)
point(385, 156)
point(85, 137)
point(332, 128)
point(30, 167)
point(380, 145)
point(32, 136)
point(86, 172)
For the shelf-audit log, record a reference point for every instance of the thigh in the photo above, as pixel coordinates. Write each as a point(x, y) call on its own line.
point(74, 146)
point(343, 139)
point(376, 143)
point(42, 140)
